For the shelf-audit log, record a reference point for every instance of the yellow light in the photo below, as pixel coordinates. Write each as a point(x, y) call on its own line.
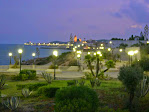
point(147, 42)
point(79, 52)
point(110, 42)
point(20, 51)
point(131, 53)
point(78, 45)
point(88, 53)
point(101, 47)
point(75, 46)
point(10, 54)
point(55, 53)
point(136, 51)
point(33, 54)
point(98, 52)
point(94, 53)
point(121, 50)
point(101, 44)
point(78, 55)
point(74, 49)
point(82, 44)
point(109, 49)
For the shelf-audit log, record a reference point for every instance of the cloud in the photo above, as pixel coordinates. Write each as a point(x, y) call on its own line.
point(135, 10)
point(136, 26)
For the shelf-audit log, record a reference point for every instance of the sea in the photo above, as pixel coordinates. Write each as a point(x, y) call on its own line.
point(27, 52)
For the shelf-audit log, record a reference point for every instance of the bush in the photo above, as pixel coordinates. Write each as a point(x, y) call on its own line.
point(31, 87)
point(52, 66)
point(73, 63)
point(87, 97)
point(131, 77)
point(107, 109)
point(26, 75)
point(48, 91)
point(72, 83)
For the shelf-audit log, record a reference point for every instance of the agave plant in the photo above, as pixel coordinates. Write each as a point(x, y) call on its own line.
point(47, 77)
point(12, 103)
point(2, 81)
point(26, 92)
point(144, 87)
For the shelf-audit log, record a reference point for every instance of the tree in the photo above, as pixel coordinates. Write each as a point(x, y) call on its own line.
point(131, 77)
point(71, 38)
point(146, 32)
point(37, 51)
point(131, 38)
point(123, 46)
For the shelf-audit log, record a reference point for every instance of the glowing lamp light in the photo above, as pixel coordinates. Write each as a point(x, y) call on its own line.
point(55, 53)
point(75, 46)
point(20, 51)
point(88, 53)
point(101, 44)
point(131, 53)
point(78, 45)
point(136, 51)
point(79, 52)
point(100, 55)
point(33, 54)
point(101, 47)
point(147, 42)
point(10, 54)
point(94, 53)
point(98, 52)
point(110, 42)
point(121, 50)
point(109, 49)
point(82, 44)
point(78, 56)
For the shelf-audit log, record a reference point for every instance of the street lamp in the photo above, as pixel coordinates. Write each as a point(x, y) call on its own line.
point(33, 54)
point(55, 53)
point(130, 53)
point(20, 51)
point(120, 53)
point(109, 49)
point(88, 53)
point(10, 55)
point(136, 52)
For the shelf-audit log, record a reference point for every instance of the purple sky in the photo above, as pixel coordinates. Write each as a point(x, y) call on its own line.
point(49, 20)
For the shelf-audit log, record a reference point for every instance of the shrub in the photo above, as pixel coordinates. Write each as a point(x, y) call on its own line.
point(131, 77)
point(26, 75)
point(72, 83)
point(82, 82)
point(87, 97)
point(107, 109)
point(48, 91)
point(26, 92)
point(52, 66)
point(73, 63)
point(47, 77)
point(2, 81)
point(31, 86)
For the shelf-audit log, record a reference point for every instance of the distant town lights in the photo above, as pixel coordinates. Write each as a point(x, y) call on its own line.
point(98, 52)
point(79, 52)
point(136, 51)
point(78, 56)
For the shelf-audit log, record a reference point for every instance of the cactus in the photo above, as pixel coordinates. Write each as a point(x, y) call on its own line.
point(12, 103)
point(2, 81)
point(144, 86)
point(82, 82)
point(26, 92)
point(47, 77)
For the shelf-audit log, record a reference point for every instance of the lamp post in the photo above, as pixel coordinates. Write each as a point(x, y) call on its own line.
point(121, 50)
point(20, 51)
point(130, 53)
point(110, 43)
point(136, 52)
point(33, 54)
point(55, 53)
point(78, 58)
point(10, 55)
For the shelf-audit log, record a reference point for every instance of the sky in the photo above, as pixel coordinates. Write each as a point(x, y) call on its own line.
point(50, 20)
